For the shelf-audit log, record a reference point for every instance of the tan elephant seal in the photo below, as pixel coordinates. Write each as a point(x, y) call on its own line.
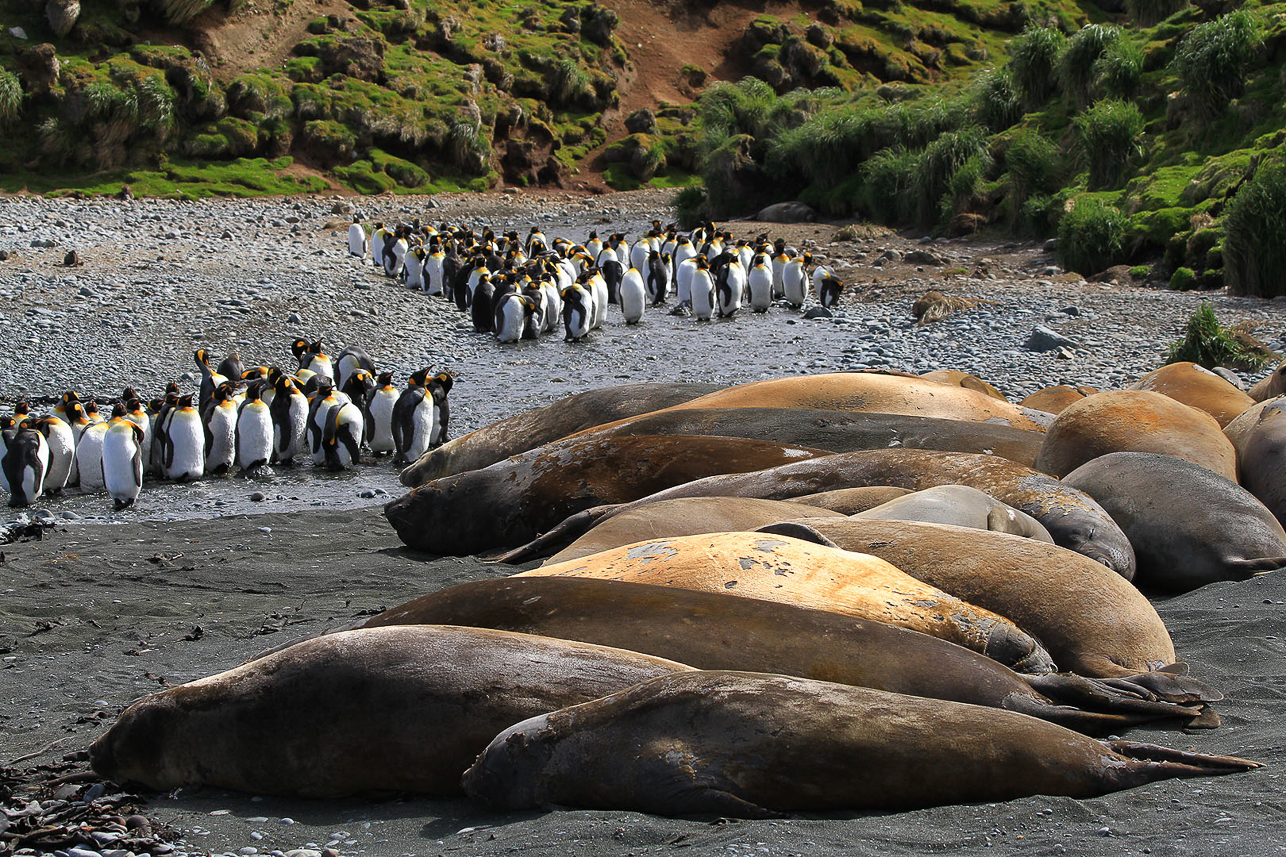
point(791, 571)
point(1052, 400)
point(719, 631)
point(956, 378)
point(961, 506)
point(530, 429)
point(1134, 421)
point(755, 745)
point(1240, 428)
point(1189, 526)
point(385, 709)
point(1272, 386)
point(1197, 387)
point(1262, 462)
point(850, 501)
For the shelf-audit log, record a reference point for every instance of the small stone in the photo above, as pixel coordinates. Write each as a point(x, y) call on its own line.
point(18, 33)
point(295, 318)
point(1051, 246)
point(258, 497)
point(1043, 339)
point(68, 515)
point(227, 235)
point(81, 851)
point(818, 312)
point(265, 529)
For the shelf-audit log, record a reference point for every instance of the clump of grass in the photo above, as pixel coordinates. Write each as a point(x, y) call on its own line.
point(1213, 58)
point(1033, 164)
point(10, 97)
point(1183, 279)
point(1034, 63)
point(1149, 12)
point(181, 11)
point(1209, 344)
point(1091, 237)
point(942, 160)
point(1118, 72)
point(1254, 246)
point(888, 178)
point(997, 103)
point(689, 206)
point(1109, 134)
point(1077, 62)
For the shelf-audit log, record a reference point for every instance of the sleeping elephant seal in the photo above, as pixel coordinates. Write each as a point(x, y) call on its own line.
point(1263, 458)
point(384, 709)
point(1272, 386)
point(718, 631)
point(835, 431)
point(1240, 428)
point(1189, 527)
point(786, 570)
point(1197, 387)
point(960, 506)
point(787, 212)
point(1134, 421)
point(956, 378)
point(534, 428)
point(511, 501)
point(850, 501)
point(755, 745)
point(1052, 400)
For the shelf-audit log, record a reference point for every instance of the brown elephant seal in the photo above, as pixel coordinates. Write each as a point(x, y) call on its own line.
point(1244, 423)
point(530, 429)
point(385, 709)
point(1197, 387)
point(1271, 386)
point(787, 212)
point(835, 431)
point(1189, 526)
point(755, 745)
point(850, 501)
point(1052, 400)
point(1071, 517)
point(1134, 421)
point(686, 516)
point(512, 501)
point(956, 378)
point(1263, 458)
point(872, 393)
point(718, 631)
point(960, 506)
point(790, 571)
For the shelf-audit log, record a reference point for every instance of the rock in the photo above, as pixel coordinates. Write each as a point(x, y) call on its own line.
point(1230, 376)
point(62, 15)
point(18, 33)
point(787, 212)
point(966, 223)
point(5, 255)
point(341, 208)
point(818, 312)
point(641, 122)
point(923, 257)
point(1050, 246)
point(258, 497)
point(40, 67)
point(72, 260)
point(1043, 339)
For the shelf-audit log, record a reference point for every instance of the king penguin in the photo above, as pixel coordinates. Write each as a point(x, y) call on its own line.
point(24, 462)
point(379, 415)
point(633, 295)
point(184, 444)
point(413, 415)
point(89, 457)
point(219, 426)
point(357, 238)
point(122, 459)
point(254, 430)
point(289, 410)
point(62, 450)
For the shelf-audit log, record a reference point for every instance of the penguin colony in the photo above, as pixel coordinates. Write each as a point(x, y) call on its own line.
point(517, 288)
point(328, 411)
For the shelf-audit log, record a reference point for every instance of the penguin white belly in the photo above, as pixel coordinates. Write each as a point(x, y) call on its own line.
point(345, 427)
point(598, 289)
point(702, 295)
point(289, 435)
point(683, 281)
point(795, 284)
point(144, 422)
point(759, 286)
point(89, 457)
point(778, 274)
point(357, 240)
point(509, 319)
point(382, 420)
point(186, 446)
point(317, 429)
point(414, 269)
point(639, 254)
point(321, 365)
point(254, 436)
point(633, 296)
point(122, 466)
point(730, 298)
point(422, 425)
point(222, 450)
point(433, 275)
point(62, 450)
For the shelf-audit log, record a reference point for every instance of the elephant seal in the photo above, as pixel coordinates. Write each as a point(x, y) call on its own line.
point(755, 745)
point(1052, 400)
point(850, 501)
point(530, 429)
point(718, 631)
point(511, 501)
point(385, 709)
point(956, 378)
point(1244, 423)
point(1197, 387)
point(835, 431)
point(960, 506)
point(1134, 421)
point(1263, 457)
point(1072, 517)
point(687, 516)
point(1271, 386)
point(787, 212)
point(790, 571)
point(1189, 526)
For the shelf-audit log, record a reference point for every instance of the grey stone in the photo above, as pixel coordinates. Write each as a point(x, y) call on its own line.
point(1043, 339)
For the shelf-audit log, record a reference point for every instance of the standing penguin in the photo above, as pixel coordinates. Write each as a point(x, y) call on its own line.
point(289, 411)
point(702, 287)
point(184, 444)
point(413, 415)
point(578, 308)
point(730, 286)
point(658, 278)
point(683, 280)
point(342, 439)
point(219, 427)
point(794, 279)
point(62, 451)
point(828, 288)
point(320, 403)
point(511, 316)
point(759, 284)
point(315, 360)
point(413, 268)
point(379, 415)
point(122, 459)
point(376, 244)
point(434, 272)
point(633, 295)
point(254, 430)
point(78, 423)
point(439, 386)
point(24, 462)
point(209, 378)
point(356, 238)
point(779, 262)
point(135, 413)
point(612, 271)
point(89, 457)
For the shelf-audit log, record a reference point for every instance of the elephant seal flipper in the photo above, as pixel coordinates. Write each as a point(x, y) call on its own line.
point(797, 530)
point(562, 534)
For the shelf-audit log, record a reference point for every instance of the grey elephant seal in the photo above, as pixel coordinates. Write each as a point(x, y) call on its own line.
point(960, 506)
point(1189, 526)
point(755, 745)
point(787, 212)
point(385, 709)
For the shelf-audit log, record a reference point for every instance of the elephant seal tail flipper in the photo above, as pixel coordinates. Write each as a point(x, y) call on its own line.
point(1166, 684)
point(1093, 696)
point(569, 530)
point(1168, 762)
point(797, 530)
point(1244, 569)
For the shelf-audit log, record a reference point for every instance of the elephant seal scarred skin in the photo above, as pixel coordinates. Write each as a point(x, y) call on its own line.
point(790, 571)
point(1189, 526)
point(1053, 400)
point(960, 506)
point(717, 631)
point(1134, 421)
point(537, 427)
point(956, 378)
point(511, 501)
point(384, 709)
point(755, 745)
point(850, 501)
point(836, 431)
point(1197, 387)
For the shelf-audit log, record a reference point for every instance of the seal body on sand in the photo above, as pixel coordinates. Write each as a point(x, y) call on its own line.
point(1244, 423)
point(836, 431)
point(508, 503)
point(385, 709)
point(956, 378)
point(961, 506)
point(1263, 457)
point(717, 631)
point(1052, 400)
point(754, 745)
point(1189, 527)
point(685, 517)
point(534, 428)
point(1271, 386)
point(787, 212)
point(790, 571)
point(1197, 387)
point(1134, 421)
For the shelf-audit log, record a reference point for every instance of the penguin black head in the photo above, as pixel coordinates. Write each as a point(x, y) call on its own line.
point(22, 408)
point(254, 391)
point(70, 396)
point(315, 348)
point(185, 401)
point(445, 379)
point(91, 407)
point(7, 422)
point(420, 378)
point(385, 379)
point(202, 357)
point(283, 383)
point(299, 347)
point(118, 410)
point(172, 387)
